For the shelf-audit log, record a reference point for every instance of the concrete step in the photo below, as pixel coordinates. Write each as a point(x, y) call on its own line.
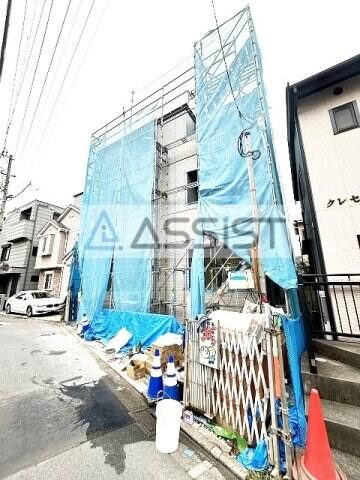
point(342, 424)
point(335, 380)
point(345, 352)
point(350, 464)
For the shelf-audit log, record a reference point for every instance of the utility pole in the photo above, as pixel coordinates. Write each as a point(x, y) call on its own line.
point(5, 36)
point(5, 189)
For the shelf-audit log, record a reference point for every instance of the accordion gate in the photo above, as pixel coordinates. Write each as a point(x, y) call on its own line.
point(237, 395)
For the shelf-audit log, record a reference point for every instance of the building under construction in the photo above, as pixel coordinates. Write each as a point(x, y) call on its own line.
point(172, 172)
point(183, 214)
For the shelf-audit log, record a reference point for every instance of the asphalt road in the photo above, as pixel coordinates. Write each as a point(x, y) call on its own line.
point(64, 415)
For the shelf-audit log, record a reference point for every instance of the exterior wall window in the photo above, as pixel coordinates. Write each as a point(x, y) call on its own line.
point(47, 244)
point(25, 214)
point(44, 245)
point(34, 251)
point(190, 125)
point(5, 253)
point(48, 280)
point(345, 117)
point(34, 278)
point(193, 192)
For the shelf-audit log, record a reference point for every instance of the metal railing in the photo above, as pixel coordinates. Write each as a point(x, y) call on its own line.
point(331, 304)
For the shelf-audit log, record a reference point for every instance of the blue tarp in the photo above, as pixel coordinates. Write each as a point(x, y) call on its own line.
point(231, 100)
point(255, 458)
point(144, 327)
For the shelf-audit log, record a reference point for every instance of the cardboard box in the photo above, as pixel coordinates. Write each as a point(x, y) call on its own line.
point(136, 370)
point(175, 350)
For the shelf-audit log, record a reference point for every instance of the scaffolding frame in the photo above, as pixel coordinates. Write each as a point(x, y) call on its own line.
point(172, 91)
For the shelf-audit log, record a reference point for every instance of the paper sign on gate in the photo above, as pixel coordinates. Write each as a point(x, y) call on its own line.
point(209, 343)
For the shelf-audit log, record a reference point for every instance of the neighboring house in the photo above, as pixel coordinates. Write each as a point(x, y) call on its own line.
point(324, 146)
point(19, 245)
point(78, 200)
point(302, 260)
point(56, 240)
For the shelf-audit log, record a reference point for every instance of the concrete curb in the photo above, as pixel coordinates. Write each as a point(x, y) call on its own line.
point(208, 441)
point(212, 447)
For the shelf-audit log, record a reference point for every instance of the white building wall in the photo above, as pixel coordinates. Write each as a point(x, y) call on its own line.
point(62, 245)
point(54, 259)
point(64, 281)
point(175, 216)
point(334, 170)
point(72, 222)
point(78, 200)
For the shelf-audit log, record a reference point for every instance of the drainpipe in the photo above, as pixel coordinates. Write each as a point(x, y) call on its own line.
point(63, 264)
point(31, 246)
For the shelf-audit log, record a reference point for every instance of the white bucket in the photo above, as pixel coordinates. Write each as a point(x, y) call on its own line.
point(168, 415)
point(110, 354)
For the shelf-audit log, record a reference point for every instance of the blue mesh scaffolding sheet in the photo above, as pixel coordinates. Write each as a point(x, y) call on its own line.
point(97, 233)
point(230, 100)
point(116, 206)
point(132, 264)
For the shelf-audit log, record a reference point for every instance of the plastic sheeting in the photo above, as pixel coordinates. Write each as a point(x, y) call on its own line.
point(115, 217)
point(197, 278)
point(295, 345)
point(230, 99)
point(132, 265)
point(97, 232)
point(144, 327)
point(74, 283)
point(255, 458)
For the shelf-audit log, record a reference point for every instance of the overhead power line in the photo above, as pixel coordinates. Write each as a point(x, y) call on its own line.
point(65, 76)
point(12, 197)
point(241, 115)
point(55, 75)
point(46, 77)
point(81, 63)
point(35, 72)
point(15, 74)
point(22, 76)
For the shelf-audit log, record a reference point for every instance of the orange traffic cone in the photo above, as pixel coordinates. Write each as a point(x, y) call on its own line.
point(317, 462)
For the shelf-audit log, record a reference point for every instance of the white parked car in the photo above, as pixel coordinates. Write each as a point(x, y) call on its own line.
point(33, 302)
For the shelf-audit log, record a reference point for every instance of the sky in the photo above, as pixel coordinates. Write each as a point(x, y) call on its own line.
point(126, 45)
